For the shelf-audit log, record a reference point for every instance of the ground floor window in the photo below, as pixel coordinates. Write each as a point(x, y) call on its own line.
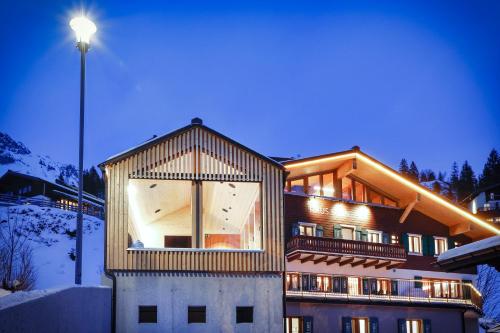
point(197, 314)
point(244, 314)
point(293, 325)
point(414, 326)
point(148, 314)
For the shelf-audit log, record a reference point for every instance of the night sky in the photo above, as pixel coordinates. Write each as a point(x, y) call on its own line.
point(399, 79)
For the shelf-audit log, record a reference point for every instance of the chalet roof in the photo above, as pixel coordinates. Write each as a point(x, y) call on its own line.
point(195, 122)
point(60, 186)
point(383, 177)
point(485, 251)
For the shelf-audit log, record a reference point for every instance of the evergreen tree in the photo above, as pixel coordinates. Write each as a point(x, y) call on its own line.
point(427, 175)
point(454, 179)
point(93, 182)
point(413, 173)
point(467, 182)
point(403, 167)
point(491, 170)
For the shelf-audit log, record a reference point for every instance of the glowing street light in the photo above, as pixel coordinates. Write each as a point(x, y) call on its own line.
point(84, 29)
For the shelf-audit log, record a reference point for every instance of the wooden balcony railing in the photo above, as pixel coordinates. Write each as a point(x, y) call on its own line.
point(346, 247)
point(359, 288)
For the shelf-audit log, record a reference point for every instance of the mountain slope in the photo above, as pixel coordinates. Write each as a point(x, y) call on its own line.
point(15, 156)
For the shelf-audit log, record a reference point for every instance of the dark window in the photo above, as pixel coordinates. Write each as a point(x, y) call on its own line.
point(244, 314)
point(147, 314)
point(197, 314)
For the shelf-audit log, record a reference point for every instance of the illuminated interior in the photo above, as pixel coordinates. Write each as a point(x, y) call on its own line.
point(164, 214)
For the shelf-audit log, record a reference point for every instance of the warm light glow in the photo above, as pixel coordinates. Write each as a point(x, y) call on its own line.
point(314, 204)
point(339, 210)
point(83, 28)
point(362, 213)
point(319, 160)
point(393, 174)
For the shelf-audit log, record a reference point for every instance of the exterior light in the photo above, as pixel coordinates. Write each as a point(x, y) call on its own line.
point(84, 29)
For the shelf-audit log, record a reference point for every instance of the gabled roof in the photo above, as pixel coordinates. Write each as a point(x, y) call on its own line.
point(195, 122)
point(390, 181)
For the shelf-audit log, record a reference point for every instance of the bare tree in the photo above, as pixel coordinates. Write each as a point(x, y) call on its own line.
point(16, 263)
point(488, 283)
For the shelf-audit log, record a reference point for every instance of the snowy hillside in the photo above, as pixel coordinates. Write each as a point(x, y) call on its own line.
point(15, 156)
point(51, 234)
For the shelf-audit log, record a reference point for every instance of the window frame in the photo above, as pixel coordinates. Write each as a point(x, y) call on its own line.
point(146, 309)
point(241, 318)
point(377, 232)
point(194, 310)
point(445, 243)
point(411, 245)
point(348, 226)
point(307, 225)
point(199, 228)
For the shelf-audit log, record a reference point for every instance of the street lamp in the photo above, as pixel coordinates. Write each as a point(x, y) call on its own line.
point(84, 29)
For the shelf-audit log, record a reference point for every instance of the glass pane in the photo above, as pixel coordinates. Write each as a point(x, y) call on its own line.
point(346, 188)
point(375, 197)
point(297, 186)
point(313, 185)
point(160, 213)
point(231, 215)
point(348, 233)
point(360, 192)
point(353, 285)
point(328, 186)
point(389, 202)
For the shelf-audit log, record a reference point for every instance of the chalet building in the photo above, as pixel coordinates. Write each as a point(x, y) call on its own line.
point(361, 250)
point(18, 188)
point(194, 235)
point(485, 203)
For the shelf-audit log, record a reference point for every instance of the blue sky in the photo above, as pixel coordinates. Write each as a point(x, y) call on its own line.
point(410, 79)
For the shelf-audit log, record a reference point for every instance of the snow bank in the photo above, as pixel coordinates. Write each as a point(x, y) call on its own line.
point(471, 247)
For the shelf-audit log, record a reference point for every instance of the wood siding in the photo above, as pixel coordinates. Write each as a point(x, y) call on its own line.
point(195, 154)
point(378, 218)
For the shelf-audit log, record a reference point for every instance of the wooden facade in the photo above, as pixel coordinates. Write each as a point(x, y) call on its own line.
point(194, 152)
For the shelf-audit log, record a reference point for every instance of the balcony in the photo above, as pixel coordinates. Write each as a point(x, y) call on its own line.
point(381, 290)
point(343, 252)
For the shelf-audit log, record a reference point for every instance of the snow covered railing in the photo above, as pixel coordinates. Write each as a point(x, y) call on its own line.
point(88, 209)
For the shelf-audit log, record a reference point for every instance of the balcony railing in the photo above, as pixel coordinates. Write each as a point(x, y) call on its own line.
point(370, 289)
point(346, 247)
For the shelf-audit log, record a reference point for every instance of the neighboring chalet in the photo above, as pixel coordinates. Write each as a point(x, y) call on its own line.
point(19, 188)
point(485, 203)
point(361, 249)
point(194, 235)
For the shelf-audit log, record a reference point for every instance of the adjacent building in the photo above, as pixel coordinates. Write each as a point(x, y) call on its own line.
point(194, 238)
point(361, 250)
point(485, 203)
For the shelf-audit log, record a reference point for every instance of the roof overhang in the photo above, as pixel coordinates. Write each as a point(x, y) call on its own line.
point(358, 164)
point(483, 252)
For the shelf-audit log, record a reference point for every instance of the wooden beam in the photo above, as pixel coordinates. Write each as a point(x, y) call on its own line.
point(346, 168)
point(357, 263)
point(460, 228)
point(320, 259)
point(307, 258)
point(409, 208)
point(345, 262)
point(333, 261)
point(371, 263)
point(382, 264)
point(394, 265)
point(293, 257)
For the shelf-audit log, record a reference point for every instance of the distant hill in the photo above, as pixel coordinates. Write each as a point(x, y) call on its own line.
point(16, 156)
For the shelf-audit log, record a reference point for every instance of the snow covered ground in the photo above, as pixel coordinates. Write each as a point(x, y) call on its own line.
point(52, 243)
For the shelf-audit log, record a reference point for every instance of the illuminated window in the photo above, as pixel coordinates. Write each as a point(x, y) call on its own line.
point(189, 214)
point(382, 287)
point(307, 229)
point(440, 245)
point(359, 190)
point(394, 239)
point(360, 325)
point(293, 325)
point(374, 236)
point(346, 188)
point(323, 283)
point(374, 197)
point(353, 285)
point(297, 186)
point(328, 185)
point(348, 232)
point(415, 244)
point(313, 185)
point(292, 281)
point(389, 202)
point(414, 326)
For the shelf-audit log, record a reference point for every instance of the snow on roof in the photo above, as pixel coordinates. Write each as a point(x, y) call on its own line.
point(470, 248)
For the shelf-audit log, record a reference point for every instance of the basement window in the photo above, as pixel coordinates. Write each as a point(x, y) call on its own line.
point(148, 314)
point(197, 314)
point(244, 314)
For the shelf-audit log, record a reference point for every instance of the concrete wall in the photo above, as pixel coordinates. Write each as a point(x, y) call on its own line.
point(172, 293)
point(73, 309)
point(328, 317)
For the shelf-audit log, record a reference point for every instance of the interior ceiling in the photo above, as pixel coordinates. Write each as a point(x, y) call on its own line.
point(388, 184)
point(226, 205)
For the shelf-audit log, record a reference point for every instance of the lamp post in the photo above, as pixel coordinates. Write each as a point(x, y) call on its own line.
point(84, 29)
